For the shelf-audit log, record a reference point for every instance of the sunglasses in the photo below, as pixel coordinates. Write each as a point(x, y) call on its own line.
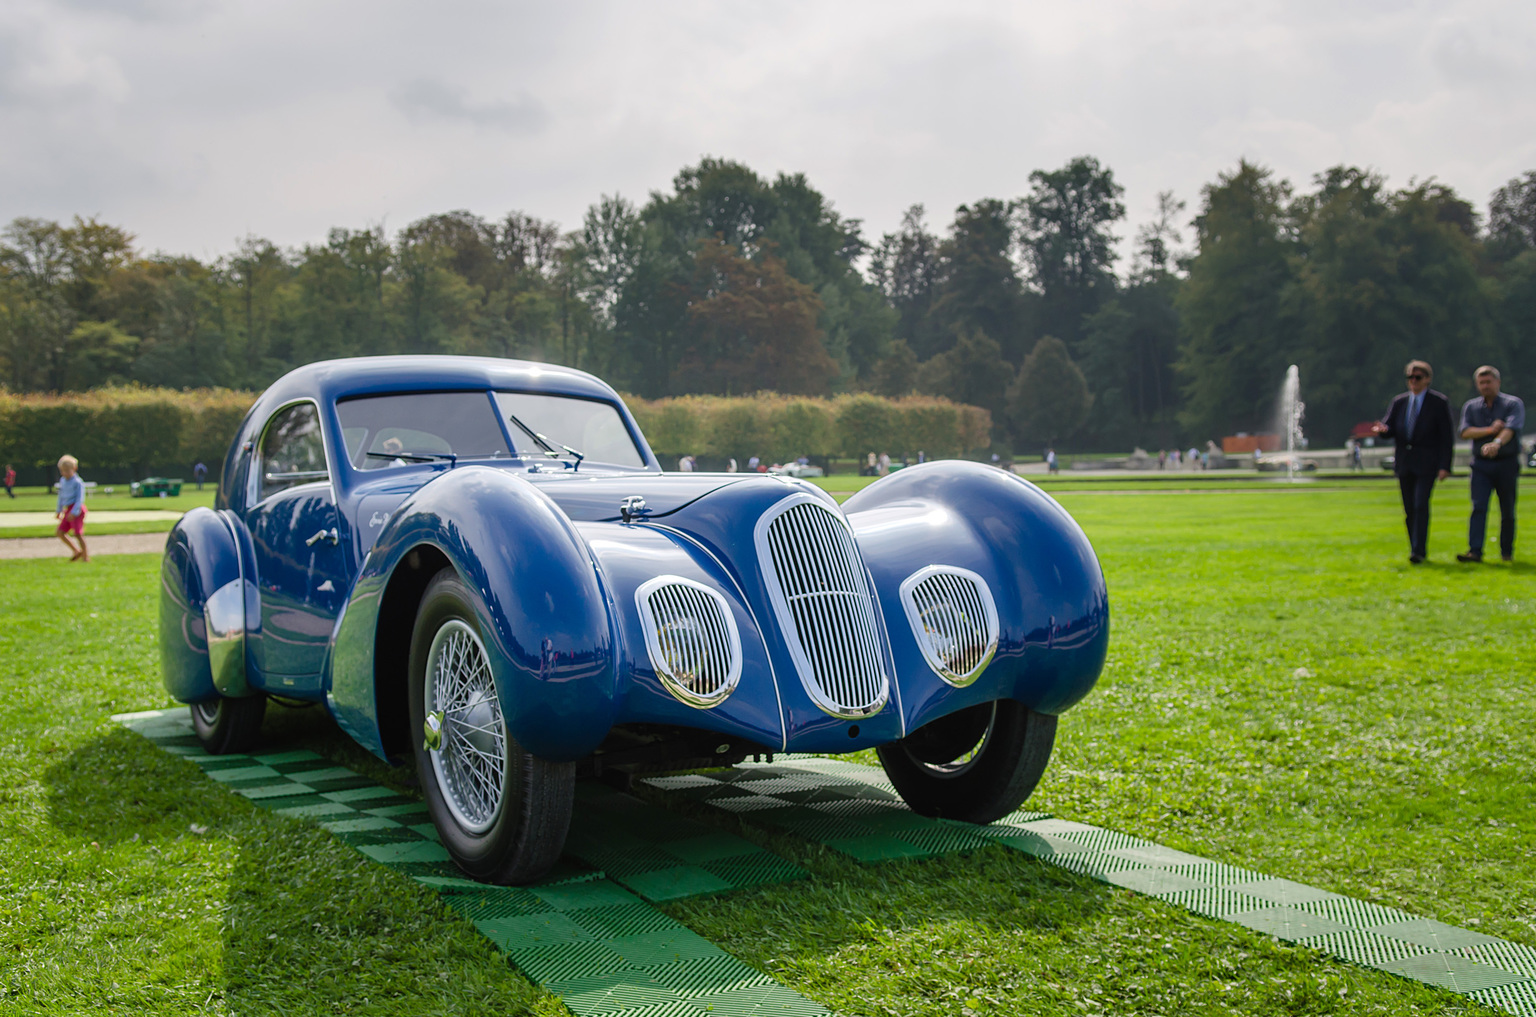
point(1417, 376)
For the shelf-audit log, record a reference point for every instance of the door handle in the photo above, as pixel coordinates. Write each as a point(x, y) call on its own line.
point(320, 535)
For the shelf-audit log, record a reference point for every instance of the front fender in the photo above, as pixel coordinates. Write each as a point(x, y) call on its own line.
point(204, 600)
point(542, 609)
point(1052, 605)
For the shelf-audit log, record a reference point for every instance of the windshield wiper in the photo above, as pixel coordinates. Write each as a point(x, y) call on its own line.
point(547, 444)
point(416, 457)
point(574, 454)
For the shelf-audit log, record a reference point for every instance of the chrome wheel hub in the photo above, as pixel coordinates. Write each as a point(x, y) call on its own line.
point(464, 733)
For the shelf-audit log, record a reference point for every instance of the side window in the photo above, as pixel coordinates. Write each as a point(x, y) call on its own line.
point(291, 450)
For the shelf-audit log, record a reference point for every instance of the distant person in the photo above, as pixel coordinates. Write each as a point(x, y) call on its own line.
point(1205, 459)
point(883, 465)
point(199, 474)
point(10, 481)
point(922, 456)
point(1356, 461)
point(1051, 465)
point(1419, 421)
point(1193, 458)
point(685, 464)
point(752, 464)
point(71, 508)
point(1493, 421)
point(730, 466)
point(872, 466)
point(1162, 458)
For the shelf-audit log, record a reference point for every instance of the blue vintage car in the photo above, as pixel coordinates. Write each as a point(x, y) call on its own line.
point(479, 563)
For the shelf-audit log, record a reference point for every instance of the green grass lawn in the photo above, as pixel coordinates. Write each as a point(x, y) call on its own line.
point(1284, 692)
point(39, 499)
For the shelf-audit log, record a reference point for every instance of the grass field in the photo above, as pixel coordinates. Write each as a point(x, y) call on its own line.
point(1284, 692)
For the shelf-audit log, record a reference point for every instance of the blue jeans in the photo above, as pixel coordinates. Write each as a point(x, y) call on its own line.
point(1489, 476)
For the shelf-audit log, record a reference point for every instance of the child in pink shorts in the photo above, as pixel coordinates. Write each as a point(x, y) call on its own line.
point(71, 511)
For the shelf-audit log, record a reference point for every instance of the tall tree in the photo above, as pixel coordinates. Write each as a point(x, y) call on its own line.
point(1237, 321)
point(256, 273)
point(1065, 233)
point(1384, 277)
point(752, 326)
point(972, 371)
point(1512, 218)
point(1049, 400)
point(978, 287)
point(905, 265)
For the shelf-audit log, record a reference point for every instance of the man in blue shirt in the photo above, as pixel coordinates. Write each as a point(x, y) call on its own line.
point(1493, 421)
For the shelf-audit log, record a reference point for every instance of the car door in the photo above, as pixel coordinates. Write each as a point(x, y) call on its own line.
point(301, 562)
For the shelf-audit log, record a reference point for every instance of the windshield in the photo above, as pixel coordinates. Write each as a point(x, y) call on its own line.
point(397, 430)
point(593, 429)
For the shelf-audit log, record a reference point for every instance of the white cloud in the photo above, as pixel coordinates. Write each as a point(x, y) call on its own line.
point(193, 122)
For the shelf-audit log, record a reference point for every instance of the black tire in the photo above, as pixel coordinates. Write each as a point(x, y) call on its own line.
point(229, 725)
point(517, 838)
point(975, 765)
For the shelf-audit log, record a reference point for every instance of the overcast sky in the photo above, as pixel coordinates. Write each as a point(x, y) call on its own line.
point(195, 122)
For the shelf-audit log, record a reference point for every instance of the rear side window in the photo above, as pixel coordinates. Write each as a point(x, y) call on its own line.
point(292, 451)
point(420, 427)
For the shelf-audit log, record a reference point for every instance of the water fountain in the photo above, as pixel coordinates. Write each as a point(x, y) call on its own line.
point(1292, 410)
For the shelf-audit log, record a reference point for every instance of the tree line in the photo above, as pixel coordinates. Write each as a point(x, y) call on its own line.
point(730, 283)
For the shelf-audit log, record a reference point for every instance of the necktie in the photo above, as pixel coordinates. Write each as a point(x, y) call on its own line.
point(1413, 412)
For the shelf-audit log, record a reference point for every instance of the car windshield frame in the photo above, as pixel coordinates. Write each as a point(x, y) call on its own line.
point(516, 437)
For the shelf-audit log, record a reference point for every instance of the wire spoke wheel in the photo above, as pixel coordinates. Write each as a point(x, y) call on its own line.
point(470, 763)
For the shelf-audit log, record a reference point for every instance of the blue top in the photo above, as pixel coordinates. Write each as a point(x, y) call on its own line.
point(71, 492)
point(1477, 413)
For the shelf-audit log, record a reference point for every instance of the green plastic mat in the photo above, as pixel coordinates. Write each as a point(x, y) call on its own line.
point(852, 809)
point(578, 933)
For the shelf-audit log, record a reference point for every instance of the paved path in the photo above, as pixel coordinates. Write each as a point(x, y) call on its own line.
point(106, 543)
point(11, 519)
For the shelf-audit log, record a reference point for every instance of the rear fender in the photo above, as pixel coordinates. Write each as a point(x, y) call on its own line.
point(204, 602)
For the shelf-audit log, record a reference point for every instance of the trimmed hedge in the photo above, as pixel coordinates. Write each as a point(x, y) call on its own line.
point(115, 430)
point(141, 430)
point(779, 428)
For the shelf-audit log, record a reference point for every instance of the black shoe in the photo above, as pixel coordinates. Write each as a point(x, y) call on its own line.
point(1414, 559)
point(1506, 557)
point(1470, 556)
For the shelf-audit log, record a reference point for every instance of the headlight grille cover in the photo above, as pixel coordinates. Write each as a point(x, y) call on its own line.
point(817, 586)
point(692, 639)
point(954, 619)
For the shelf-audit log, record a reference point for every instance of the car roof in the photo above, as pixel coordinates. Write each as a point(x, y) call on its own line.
point(329, 380)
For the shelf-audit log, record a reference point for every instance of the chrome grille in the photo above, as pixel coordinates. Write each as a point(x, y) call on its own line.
point(816, 582)
point(954, 620)
point(692, 639)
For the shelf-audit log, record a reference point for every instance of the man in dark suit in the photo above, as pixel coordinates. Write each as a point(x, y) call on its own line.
point(1419, 421)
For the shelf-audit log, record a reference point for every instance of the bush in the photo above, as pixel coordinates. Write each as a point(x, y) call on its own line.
point(779, 428)
point(129, 429)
